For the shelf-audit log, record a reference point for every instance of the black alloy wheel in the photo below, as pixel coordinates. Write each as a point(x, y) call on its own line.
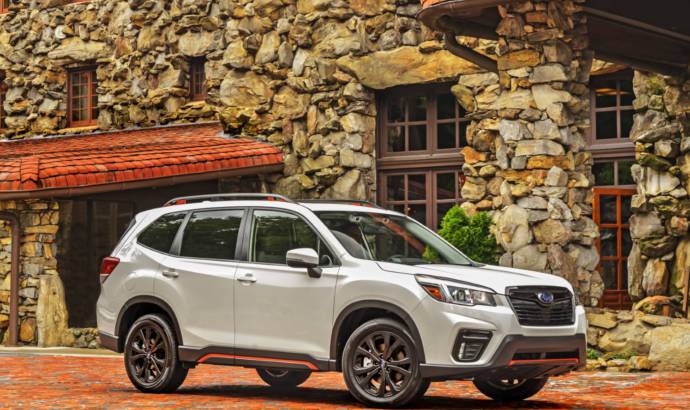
point(380, 364)
point(151, 356)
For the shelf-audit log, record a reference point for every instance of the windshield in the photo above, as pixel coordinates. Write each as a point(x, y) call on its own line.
point(390, 238)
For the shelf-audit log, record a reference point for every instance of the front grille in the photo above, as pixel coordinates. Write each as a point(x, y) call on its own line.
point(531, 311)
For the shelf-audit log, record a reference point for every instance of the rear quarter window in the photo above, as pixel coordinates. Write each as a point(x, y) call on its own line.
point(161, 234)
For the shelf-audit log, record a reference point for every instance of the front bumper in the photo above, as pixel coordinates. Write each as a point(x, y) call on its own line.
point(523, 357)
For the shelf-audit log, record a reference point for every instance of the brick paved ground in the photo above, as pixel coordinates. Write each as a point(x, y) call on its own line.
point(67, 382)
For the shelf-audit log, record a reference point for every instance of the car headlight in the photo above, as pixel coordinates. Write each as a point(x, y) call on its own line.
point(452, 293)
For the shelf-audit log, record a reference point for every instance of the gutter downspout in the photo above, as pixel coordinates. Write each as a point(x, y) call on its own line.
point(14, 277)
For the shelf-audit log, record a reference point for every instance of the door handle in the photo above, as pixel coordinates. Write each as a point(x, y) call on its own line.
point(170, 273)
point(247, 278)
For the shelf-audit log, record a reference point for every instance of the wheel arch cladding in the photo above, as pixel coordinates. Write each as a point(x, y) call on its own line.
point(138, 307)
point(358, 313)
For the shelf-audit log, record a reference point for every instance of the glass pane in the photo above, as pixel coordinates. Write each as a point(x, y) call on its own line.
point(416, 186)
point(625, 173)
point(398, 208)
point(396, 112)
point(418, 212)
point(446, 136)
point(446, 185)
point(417, 108)
point(606, 94)
point(396, 188)
point(212, 234)
point(627, 94)
point(606, 125)
point(276, 233)
point(609, 272)
point(624, 269)
point(626, 123)
point(160, 234)
point(446, 106)
point(441, 211)
point(603, 173)
point(607, 209)
point(626, 211)
point(396, 139)
point(609, 242)
point(626, 243)
point(463, 133)
point(417, 137)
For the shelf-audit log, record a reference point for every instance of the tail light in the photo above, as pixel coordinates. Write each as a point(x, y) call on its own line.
point(108, 265)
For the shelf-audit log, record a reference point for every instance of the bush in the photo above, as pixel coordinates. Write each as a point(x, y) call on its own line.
point(472, 235)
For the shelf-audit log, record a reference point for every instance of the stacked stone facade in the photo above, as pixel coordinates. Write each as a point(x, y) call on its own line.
point(38, 268)
point(300, 74)
point(660, 259)
point(527, 157)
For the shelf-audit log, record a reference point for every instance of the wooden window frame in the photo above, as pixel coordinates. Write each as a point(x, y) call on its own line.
point(616, 171)
point(429, 162)
point(91, 92)
point(3, 93)
point(621, 141)
point(197, 79)
point(431, 199)
point(432, 155)
point(614, 298)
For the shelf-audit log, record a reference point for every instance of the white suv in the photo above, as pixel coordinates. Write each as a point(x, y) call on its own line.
point(293, 288)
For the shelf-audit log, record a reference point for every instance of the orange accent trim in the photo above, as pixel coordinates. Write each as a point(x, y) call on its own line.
point(537, 361)
point(258, 359)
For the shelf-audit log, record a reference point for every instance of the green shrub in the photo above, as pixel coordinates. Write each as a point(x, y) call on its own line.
point(472, 235)
point(593, 354)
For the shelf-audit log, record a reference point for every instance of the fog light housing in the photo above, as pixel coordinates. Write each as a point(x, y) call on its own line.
point(470, 345)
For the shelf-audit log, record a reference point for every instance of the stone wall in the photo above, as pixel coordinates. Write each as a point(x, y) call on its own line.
point(38, 276)
point(660, 259)
point(526, 159)
point(298, 73)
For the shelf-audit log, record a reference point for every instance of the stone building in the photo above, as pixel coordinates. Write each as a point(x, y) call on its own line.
point(111, 107)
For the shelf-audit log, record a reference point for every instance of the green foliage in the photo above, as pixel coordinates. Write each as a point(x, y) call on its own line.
point(472, 235)
point(625, 355)
point(593, 354)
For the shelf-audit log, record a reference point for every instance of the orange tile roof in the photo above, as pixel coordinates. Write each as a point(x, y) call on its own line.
point(54, 163)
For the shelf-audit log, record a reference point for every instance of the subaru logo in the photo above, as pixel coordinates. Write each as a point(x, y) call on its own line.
point(545, 297)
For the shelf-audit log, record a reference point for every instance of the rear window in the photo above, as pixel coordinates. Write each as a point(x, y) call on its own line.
point(161, 234)
point(212, 234)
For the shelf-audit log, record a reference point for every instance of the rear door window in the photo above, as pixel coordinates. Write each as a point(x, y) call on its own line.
point(212, 234)
point(160, 234)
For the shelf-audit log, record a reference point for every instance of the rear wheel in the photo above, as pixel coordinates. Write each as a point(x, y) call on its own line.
point(151, 356)
point(510, 389)
point(283, 378)
point(381, 366)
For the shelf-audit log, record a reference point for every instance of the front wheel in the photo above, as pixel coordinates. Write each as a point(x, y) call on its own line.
point(151, 356)
point(510, 389)
point(381, 365)
point(285, 379)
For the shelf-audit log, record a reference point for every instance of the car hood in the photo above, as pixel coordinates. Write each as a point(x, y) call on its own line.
point(496, 278)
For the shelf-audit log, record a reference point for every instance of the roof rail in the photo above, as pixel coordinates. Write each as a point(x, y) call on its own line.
point(356, 202)
point(227, 197)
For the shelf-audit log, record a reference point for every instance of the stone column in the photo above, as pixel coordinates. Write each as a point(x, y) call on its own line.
point(660, 256)
point(526, 158)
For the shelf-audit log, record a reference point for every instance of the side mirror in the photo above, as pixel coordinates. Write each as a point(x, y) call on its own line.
point(304, 258)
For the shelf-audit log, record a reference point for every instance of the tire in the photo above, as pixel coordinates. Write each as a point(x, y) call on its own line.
point(381, 364)
point(510, 390)
point(284, 379)
point(151, 357)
